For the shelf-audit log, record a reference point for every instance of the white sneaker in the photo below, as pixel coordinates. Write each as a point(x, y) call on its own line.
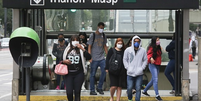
point(172, 92)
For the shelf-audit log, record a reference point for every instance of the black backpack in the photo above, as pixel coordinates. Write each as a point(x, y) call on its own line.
point(94, 38)
point(115, 63)
point(193, 44)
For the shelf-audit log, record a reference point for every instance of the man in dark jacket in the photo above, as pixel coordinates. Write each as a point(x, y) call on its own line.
point(60, 36)
point(57, 52)
point(171, 65)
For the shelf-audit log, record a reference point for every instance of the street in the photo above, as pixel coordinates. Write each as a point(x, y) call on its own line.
point(6, 71)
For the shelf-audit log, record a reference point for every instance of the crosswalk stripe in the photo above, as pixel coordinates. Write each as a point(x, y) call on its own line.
point(9, 83)
point(6, 74)
point(5, 95)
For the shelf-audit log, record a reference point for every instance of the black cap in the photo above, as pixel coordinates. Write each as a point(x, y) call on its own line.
point(61, 39)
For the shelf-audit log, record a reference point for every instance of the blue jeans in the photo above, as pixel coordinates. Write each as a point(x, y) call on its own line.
point(154, 69)
point(138, 83)
point(94, 66)
point(170, 69)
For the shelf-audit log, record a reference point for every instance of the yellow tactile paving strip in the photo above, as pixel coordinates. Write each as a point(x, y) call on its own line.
point(92, 98)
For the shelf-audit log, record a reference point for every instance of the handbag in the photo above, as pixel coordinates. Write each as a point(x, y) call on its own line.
point(61, 69)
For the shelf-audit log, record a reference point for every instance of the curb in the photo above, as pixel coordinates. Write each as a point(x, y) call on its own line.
point(93, 98)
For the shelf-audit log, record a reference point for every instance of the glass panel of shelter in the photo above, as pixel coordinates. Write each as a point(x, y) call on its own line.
point(115, 20)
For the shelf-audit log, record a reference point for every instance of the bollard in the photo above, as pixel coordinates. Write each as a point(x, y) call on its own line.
point(190, 57)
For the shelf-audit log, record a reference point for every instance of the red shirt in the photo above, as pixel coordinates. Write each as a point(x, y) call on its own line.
point(158, 56)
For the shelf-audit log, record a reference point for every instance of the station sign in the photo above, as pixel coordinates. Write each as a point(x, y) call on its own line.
point(103, 4)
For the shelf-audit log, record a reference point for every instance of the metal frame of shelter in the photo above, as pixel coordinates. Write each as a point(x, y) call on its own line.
point(31, 14)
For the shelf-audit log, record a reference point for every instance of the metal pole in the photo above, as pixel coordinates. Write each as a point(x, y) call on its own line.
point(5, 22)
point(28, 84)
point(185, 76)
point(178, 31)
point(199, 68)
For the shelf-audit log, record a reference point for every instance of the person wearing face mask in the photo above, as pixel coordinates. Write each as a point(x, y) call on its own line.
point(128, 44)
point(154, 61)
point(97, 48)
point(117, 77)
point(57, 52)
point(74, 56)
point(83, 39)
point(61, 35)
point(135, 61)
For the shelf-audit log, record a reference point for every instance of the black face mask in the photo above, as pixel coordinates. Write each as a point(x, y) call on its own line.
point(81, 40)
point(61, 39)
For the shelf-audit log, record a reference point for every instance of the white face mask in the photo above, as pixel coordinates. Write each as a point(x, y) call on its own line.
point(74, 43)
point(119, 46)
point(100, 30)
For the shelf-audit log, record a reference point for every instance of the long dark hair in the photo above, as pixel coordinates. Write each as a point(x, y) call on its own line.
point(129, 41)
point(74, 37)
point(154, 46)
point(85, 35)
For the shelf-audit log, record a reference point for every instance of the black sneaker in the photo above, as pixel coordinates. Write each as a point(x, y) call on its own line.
point(145, 93)
point(158, 98)
point(93, 93)
point(100, 91)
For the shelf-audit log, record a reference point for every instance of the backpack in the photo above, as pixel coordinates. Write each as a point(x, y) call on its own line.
point(94, 38)
point(115, 63)
point(193, 44)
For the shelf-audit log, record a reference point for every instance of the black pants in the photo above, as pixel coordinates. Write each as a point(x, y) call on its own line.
point(193, 51)
point(74, 83)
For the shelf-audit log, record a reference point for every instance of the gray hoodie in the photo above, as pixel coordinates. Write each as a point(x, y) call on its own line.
point(135, 63)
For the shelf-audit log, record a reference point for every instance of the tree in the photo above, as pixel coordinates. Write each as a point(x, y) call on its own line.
point(99, 16)
point(193, 27)
point(170, 20)
point(63, 20)
point(86, 18)
point(74, 20)
point(9, 17)
point(200, 3)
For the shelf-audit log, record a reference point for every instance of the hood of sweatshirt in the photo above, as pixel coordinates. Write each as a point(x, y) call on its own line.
point(135, 63)
point(193, 38)
point(132, 43)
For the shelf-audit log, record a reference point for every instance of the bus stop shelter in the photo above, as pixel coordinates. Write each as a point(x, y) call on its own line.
point(21, 17)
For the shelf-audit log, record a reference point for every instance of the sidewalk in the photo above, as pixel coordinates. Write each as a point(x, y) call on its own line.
point(193, 76)
point(60, 95)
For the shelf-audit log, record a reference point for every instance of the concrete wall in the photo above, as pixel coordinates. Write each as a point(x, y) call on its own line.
point(195, 16)
point(162, 25)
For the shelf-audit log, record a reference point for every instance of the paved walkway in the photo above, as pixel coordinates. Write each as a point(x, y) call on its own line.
point(193, 76)
point(60, 95)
